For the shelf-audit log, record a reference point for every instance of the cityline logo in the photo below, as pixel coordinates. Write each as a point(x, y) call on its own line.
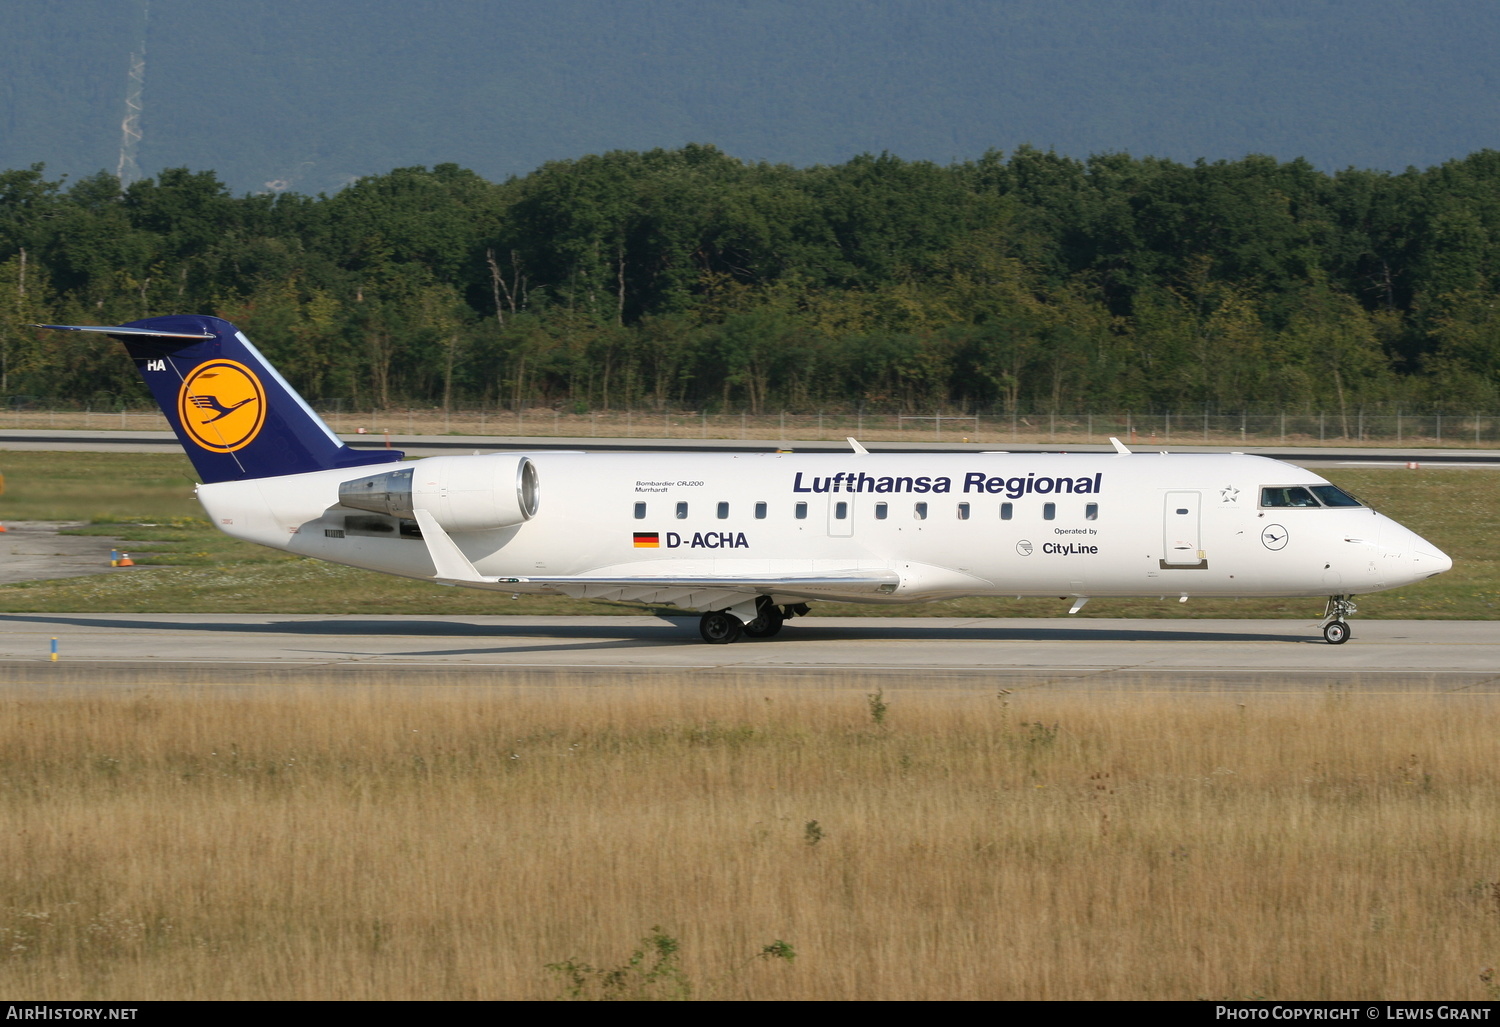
point(221, 406)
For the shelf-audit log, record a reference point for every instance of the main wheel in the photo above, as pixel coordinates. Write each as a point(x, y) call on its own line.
point(766, 624)
point(1335, 632)
point(720, 627)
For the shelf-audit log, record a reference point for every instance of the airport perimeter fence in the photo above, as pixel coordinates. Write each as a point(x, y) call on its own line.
point(1284, 428)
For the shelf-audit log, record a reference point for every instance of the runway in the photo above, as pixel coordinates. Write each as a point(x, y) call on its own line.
point(132, 649)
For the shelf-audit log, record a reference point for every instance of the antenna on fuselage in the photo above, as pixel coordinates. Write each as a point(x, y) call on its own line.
point(858, 449)
point(1119, 447)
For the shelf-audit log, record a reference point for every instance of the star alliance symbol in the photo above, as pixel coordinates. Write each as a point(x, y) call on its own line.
point(1229, 493)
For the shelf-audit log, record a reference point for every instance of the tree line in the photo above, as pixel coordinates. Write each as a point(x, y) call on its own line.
point(689, 280)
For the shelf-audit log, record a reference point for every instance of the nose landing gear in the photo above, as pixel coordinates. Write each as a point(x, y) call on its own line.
point(1335, 626)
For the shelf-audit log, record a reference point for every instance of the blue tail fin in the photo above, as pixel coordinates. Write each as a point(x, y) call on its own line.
point(234, 414)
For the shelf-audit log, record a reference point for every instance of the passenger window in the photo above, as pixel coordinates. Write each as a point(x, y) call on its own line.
point(963, 511)
point(760, 511)
point(640, 511)
point(920, 511)
point(1091, 512)
point(723, 511)
point(881, 509)
point(801, 511)
point(682, 511)
point(840, 511)
point(1049, 511)
point(1007, 511)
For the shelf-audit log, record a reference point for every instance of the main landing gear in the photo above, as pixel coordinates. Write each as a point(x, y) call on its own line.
point(1335, 627)
point(720, 627)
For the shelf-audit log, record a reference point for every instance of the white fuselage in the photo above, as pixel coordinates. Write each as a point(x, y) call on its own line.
point(938, 525)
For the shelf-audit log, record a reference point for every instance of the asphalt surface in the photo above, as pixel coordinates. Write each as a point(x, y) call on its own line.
point(34, 551)
point(1441, 656)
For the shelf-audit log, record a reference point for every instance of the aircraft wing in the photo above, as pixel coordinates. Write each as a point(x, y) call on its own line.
point(711, 592)
point(697, 591)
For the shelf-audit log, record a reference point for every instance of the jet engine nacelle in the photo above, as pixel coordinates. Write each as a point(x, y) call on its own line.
point(463, 493)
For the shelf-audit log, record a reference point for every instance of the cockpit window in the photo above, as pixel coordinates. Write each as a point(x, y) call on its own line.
point(1310, 495)
point(1286, 495)
point(1332, 495)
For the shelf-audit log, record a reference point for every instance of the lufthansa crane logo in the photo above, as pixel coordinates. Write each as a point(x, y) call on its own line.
point(221, 406)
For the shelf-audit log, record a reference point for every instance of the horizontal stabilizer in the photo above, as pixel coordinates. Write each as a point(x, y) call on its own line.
point(125, 332)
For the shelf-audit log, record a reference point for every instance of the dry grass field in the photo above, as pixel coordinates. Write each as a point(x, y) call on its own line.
point(828, 840)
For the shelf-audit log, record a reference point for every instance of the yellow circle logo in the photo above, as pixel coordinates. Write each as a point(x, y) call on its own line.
point(222, 406)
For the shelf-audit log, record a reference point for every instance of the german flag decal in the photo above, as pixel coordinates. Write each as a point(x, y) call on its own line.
point(647, 540)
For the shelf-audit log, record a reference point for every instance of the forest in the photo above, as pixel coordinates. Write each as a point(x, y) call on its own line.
point(690, 280)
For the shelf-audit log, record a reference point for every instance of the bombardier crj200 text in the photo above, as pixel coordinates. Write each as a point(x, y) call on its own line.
point(750, 539)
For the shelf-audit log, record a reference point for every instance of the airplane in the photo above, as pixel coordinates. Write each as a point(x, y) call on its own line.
point(750, 539)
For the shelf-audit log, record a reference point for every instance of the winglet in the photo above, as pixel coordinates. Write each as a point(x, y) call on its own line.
point(1119, 446)
point(448, 560)
point(858, 449)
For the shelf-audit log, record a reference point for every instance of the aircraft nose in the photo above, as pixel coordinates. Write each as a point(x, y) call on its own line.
point(1422, 557)
point(1429, 558)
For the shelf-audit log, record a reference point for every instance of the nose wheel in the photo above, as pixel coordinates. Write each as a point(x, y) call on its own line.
point(1336, 627)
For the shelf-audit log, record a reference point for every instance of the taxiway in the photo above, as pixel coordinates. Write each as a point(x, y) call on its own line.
point(1454, 656)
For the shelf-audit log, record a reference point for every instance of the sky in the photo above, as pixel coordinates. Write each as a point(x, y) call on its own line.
point(314, 94)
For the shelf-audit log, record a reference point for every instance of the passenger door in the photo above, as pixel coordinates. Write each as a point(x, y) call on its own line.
point(1182, 530)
